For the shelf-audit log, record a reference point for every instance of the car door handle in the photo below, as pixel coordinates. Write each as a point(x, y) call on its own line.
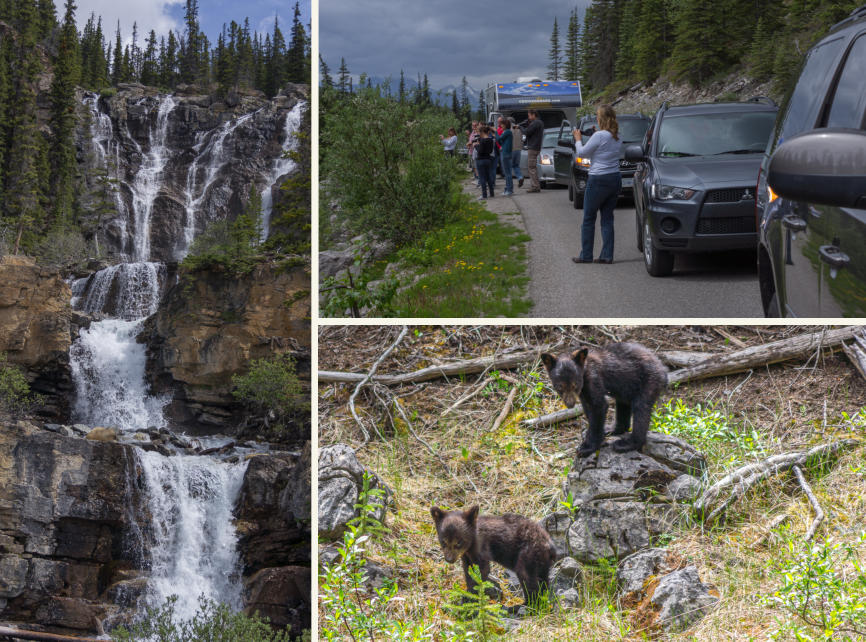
point(794, 223)
point(833, 256)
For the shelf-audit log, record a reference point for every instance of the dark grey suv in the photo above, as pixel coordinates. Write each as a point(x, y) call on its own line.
point(812, 185)
point(694, 188)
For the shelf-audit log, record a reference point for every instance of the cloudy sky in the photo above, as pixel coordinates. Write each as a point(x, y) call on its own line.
point(162, 15)
point(446, 39)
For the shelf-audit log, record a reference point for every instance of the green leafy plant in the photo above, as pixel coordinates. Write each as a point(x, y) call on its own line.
point(15, 395)
point(271, 387)
point(213, 622)
point(823, 586)
point(477, 616)
point(370, 502)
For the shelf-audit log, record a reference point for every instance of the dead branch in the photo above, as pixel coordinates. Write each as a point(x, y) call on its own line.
point(554, 417)
point(21, 634)
point(467, 396)
point(745, 477)
point(856, 353)
point(819, 513)
point(730, 337)
point(505, 409)
point(684, 358)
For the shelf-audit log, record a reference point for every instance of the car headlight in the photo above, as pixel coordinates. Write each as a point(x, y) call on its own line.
point(545, 159)
point(583, 162)
point(669, 193)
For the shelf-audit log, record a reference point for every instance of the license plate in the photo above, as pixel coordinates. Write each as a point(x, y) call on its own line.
point(627, 182)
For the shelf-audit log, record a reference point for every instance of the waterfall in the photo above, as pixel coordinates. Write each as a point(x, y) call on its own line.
point(146, 185)
point(215, 158)
point(194, 545)
point(282, 166)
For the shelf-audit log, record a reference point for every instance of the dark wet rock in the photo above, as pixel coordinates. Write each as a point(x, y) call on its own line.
point(282, 595)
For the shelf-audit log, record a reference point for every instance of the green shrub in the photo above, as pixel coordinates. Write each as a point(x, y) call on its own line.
point(213, 622)
point(477, 616)
point(15, 395)
point(382, 160)
point(271, 387)
point(823, 586)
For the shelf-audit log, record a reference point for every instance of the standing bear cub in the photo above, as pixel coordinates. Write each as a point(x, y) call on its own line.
point(630, 373)
point(517, 543)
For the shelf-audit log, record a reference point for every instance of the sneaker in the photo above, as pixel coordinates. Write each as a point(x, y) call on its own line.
point(508, 193)
point(481, 198)
point(605, 261)
point(577, 259)
point(520, 183)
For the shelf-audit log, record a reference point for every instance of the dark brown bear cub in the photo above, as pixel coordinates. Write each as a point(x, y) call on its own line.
point(515, 542)
point(630, 373)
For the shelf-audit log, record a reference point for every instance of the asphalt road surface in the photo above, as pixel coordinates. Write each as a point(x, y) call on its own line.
point(702, 285)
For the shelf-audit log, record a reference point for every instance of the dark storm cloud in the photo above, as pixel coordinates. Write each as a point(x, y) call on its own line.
point(446, 39)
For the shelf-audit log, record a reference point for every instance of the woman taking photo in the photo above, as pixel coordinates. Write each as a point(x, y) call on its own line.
point(603, 185)
point(449, 143)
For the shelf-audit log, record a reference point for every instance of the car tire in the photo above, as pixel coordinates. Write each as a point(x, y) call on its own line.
point(773, 311)
point(657, 262)
point(639, 229)
point(577, 201)
point(570, 191)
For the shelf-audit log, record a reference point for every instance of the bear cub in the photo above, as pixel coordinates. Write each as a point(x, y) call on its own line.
point(517, 543)
point(630, 373)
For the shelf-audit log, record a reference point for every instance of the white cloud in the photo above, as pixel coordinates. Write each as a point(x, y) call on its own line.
point(149, 14)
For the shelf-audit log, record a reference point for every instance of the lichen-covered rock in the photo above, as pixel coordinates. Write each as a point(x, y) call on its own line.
point(35, 330)
point(634, 570)
point(626, 500)
point(682, 599)
point(566, 575)
point(340, 482)
point(557, 525)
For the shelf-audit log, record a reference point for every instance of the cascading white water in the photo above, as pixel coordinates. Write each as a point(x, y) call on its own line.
point(282, 166)
point(147, 180)
point(194, 543)
point(214, 156)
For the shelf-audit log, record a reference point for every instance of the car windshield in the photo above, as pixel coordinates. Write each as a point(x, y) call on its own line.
point(551, 138)
point(632, 130)
point(713, 134)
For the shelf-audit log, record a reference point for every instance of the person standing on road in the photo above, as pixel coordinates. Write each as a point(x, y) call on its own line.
point(485, 161)
point(473, 152)
point(602, 186)
point(449, 143)
point(534, 130)
point(504, 138)
point(516, 148)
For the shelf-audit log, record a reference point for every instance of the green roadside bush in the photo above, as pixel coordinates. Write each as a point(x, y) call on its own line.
point(382, 160)
point(15, 395)
point(271, 388)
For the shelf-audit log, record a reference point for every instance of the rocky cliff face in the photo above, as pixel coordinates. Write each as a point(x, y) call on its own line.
point(209, 327)
point(178, 162)
point(36, 329)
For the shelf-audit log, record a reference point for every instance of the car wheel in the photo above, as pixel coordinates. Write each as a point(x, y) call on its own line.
point(570, 191)
point(639, 229)
point(657, 262)
point(577, 202)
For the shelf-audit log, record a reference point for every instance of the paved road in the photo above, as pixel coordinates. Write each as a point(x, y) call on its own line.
point(702, 285)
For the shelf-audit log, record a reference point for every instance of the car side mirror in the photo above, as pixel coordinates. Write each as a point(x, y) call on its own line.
point(634, 154)
point(823, 166)
point(565, 142)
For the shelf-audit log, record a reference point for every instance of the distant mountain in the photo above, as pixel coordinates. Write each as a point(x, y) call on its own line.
point(441, 96)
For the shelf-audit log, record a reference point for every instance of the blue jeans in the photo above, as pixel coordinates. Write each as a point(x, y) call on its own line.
point(601, 193)
point(506, 171)
point(487, 174)
point(515, 164)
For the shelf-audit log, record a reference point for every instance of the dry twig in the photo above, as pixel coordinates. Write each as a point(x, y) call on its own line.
point(505, 409)
point(819, 513)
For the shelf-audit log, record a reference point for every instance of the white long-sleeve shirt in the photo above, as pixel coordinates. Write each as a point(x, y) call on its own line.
point(603, 150)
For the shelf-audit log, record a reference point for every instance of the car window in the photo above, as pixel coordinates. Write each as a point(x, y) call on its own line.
point(847, 107)
point(712, 134)
point(808, 94)
point(632, 130)
point(551, 138)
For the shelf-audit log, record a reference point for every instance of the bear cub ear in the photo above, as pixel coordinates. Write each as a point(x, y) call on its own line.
point(437, 514)
point(471, 514)
point(549, 361)
point(579, 355)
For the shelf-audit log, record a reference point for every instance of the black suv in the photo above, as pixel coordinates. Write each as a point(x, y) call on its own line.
point(812, 185)
point(574, 172)
point(694, 188)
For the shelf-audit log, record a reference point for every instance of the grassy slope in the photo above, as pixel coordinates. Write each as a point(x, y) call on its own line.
point(513, 469)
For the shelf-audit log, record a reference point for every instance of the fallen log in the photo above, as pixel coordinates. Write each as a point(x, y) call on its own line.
point(20, 634)
point(856, 353)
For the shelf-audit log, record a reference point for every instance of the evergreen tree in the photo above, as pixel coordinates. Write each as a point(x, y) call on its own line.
point(190, 64)
point(6, 89)
point(571, 70)
point(62, 122)
point(344, 79)
point(297, 69)
point(276, 63)
point(554, 56)
point(47, 18)
point(761, 54)
point(325, 74)
point(465, 107)
point(402, 94)
point(426, 100)
point(653, 39)
point(149, 62)
point(699, 50)
point(626, 57)
point(117, 62)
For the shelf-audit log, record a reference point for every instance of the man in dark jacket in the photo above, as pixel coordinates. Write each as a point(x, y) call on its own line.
point(534, 130)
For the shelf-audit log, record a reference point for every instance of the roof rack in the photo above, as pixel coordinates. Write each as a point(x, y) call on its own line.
point(762, 99)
